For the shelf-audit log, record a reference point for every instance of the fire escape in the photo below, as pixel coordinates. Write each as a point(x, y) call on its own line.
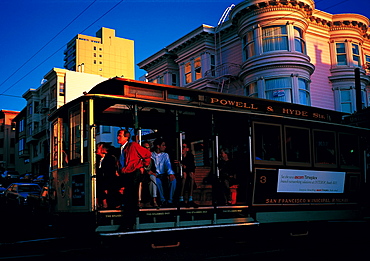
point(225, 76)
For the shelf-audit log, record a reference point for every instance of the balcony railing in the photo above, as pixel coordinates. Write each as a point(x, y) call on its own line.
point(227, 70)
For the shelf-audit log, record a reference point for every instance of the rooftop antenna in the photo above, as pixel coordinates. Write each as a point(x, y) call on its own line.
point(220, 22)
point(225, 14)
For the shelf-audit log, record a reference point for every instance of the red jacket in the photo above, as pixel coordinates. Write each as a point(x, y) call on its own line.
point(136, 157)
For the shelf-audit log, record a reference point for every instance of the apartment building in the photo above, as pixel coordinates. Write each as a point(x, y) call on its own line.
point(105, 55)
point(59, 86)
point(284, 50)
point(7, 139)
point(22, 152)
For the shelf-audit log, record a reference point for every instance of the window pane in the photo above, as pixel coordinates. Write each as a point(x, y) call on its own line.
point(341, 59)
point(279, 89)
point(76, 139)
point(304, 95)
point(299, 43)
point(324, 147)
point(274, 38)
point(251, 90)
point(197, 62)
point(198, 68)
point(349, 153)
point(356, 54)
point(341, 48)
point(267, 142)
point(188, 73)
point(346, 107)
point(355, 49)
point(54, 145)
point(367, 58)
point(345, 96)
point(356, 60)
point(345, 100)
point(341, 54)
point(297, 143)
point(248, 42)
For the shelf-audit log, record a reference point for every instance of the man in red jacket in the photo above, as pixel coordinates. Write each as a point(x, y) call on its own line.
point(132, 160)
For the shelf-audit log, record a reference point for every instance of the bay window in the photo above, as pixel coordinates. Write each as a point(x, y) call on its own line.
point(273, 38)
point(292, 88)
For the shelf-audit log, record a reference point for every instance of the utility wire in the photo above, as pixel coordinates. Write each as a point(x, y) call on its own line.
point(91, 24)
point(88, 28)
point(44, 47)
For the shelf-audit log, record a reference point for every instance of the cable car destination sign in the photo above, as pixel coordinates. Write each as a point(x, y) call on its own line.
point(278, 108)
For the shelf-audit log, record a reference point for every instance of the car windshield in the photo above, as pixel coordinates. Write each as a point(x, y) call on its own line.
point(28, 189)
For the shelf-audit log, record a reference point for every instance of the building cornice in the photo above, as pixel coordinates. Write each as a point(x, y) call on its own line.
point(260, 6)
point(337, 22)
point(201, 32)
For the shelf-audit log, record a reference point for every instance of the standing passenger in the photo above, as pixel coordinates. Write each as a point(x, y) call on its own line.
point(132, 160)
point(188, 168)
point(106, 176)
point(152, 172)
point(165, 174)
point(227, 175)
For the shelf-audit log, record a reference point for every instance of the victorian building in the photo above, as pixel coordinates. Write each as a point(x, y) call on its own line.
point(284, 50)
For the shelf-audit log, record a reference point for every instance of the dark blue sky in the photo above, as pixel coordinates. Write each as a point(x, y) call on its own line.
point(34, 33)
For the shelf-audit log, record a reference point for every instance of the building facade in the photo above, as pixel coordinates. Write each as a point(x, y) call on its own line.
point(7, 139)
point(88, 61)
point(22, 160)
point(284, 50)
point(59, 87)
point(105, 55)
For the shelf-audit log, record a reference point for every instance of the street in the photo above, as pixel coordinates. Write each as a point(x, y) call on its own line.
point(333, 240)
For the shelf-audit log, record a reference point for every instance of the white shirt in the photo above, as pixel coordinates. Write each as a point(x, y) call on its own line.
point(162, 163)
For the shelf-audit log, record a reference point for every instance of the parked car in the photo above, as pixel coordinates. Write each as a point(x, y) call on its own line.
point(8, 177)
point(2, 190)
point(17, 193)
point(11, 174)
point(39, 201)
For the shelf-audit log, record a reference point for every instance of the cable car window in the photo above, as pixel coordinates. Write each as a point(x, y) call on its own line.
point(324, 148)
point(267, 145)
point(75, 132)
point(349, 153)
point(297, 145)
point(134, 91)
point(54, 145)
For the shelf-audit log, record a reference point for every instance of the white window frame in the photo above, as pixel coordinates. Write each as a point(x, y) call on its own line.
point(193, 70)
point(352, 53)
point(253, 41)
point(292, 92)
